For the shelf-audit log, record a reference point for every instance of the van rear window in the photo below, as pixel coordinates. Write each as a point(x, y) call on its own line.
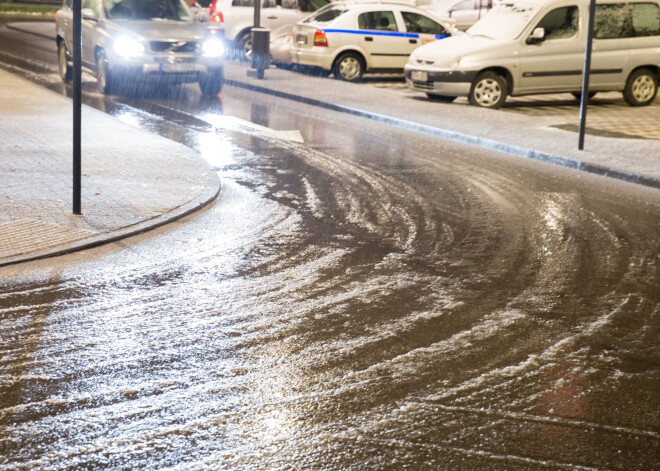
point(626, 20)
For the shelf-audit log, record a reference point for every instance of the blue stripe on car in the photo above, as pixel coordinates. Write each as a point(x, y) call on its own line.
point(380, 33)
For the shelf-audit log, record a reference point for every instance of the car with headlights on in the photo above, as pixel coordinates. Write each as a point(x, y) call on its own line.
point(349, 39)
point(128, 41)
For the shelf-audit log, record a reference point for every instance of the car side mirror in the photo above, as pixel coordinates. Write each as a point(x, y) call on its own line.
point(538, 36)
point(88, 14)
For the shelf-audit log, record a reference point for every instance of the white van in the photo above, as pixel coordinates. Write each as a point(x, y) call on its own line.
point(537, 46)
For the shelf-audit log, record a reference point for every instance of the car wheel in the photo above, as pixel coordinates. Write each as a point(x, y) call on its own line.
point(488, 90)
point(244, 47)
point(211, 83)
point(64, 68)
point(578, 95)
point(641, 88)
point(349, 67)
point(440, 98)
point(104, 78)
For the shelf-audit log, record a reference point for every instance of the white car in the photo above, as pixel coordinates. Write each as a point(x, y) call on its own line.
point(128, 41)
point(236, 17)
point(349, 39)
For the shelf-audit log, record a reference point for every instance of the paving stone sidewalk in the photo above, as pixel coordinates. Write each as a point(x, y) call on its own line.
point(132, 180)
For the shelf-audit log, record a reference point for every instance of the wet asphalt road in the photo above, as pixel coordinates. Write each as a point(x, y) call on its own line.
point(368, 299)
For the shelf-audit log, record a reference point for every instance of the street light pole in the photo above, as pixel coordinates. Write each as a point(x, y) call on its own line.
point(77, 49)
point(586, 73)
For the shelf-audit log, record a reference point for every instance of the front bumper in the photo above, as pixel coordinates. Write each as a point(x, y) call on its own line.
point(440, 82)
point(174, 68)
point(313, 57)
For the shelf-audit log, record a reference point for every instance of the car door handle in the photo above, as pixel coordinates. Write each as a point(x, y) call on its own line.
point(412, 41)
point(368, 38)
point(271, 17)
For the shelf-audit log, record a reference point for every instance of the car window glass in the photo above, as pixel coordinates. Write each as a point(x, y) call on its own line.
point(645, 19)
point(326, 15)
point(609, 21)
point(313, 5)
point(242, 3)
point(416, 23)
point(68, 4)
point(560, 23)
point(94, 5)
point(289, 4)
point(377, 20)
point(146, 10)
point(202, 3)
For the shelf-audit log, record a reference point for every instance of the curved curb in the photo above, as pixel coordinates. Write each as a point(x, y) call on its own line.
point(207, 196)
point(462, 138)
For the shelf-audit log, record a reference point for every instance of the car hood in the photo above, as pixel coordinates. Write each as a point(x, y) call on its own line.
point(454, 47)
point(159, 30)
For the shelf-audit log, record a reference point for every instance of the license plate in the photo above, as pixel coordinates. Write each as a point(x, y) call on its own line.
point(419, 76)
point(178, 67)
point(301, 39)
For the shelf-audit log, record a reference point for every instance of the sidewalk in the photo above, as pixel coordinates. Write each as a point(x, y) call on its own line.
point(156, 180)
point(144, 182)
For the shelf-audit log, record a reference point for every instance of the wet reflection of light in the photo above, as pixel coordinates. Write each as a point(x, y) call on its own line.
point(553, 216)
point(128, 118)
point(216, 149)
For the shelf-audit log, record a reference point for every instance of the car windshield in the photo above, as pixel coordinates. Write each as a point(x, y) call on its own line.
point(504, 21)
point(147, 10)
point(326, 14)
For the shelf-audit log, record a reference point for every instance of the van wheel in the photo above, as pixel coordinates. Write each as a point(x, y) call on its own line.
point(63, 66)
point(641, 88)
point(440, 98)
point(349, 67)
point(104, 78)
point(488, 90)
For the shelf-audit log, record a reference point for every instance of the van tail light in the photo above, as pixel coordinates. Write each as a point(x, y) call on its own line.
point(216, 16)
point(320, 39)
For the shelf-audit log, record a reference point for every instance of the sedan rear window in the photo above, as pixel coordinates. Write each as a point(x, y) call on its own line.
point(326, 15)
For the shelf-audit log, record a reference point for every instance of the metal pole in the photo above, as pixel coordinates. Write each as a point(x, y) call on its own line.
point(586, 72)
point(77, 49)
point(257, 14)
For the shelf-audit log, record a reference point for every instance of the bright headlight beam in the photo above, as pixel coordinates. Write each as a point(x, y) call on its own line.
point(128, 47)
point(213, 48)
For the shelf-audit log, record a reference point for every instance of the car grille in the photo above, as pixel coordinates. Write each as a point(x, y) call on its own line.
point(174, 46)
point(423, 85)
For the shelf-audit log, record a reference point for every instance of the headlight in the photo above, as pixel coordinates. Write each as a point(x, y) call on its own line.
point(128, 47)
point(213, 48)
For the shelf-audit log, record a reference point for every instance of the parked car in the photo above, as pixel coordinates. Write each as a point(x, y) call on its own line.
point(141, 40)
point(349, 39)
point(538, 46)
point(464, 12)
point(236, 17)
